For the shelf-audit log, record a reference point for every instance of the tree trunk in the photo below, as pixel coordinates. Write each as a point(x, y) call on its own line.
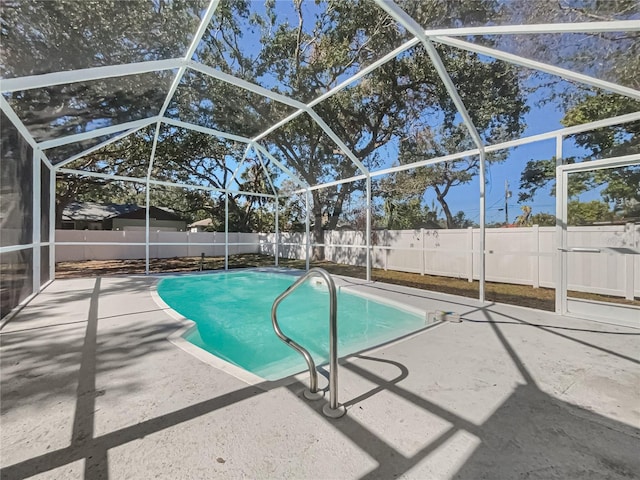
point(317, 253)
point(61, 204)
point(445, 209)
point(317, 231)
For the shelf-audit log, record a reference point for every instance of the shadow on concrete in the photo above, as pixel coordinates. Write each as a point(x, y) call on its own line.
point(553, 327)
point(552, 330)
point(536, 436)
point(135, 342)
point(26, 354)
point(531, 435)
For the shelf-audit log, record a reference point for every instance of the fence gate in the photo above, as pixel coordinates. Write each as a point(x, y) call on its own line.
point(607, 256)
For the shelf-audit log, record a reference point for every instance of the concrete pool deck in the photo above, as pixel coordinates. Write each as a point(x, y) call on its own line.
point(91, 387)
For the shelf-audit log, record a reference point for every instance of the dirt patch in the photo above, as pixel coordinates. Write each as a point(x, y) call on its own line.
point(523, 295)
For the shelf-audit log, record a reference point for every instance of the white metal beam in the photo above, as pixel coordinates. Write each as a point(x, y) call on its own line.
point(587, 27)
point(276, 246)
point(206, 18)
point(613, 162)
point(11, 115)
point(577, 27)
point(239, 82)
point(561, 265)
point(341, 145)
point(307, 229)
point(368, 229)
point(240, 163)
point(585, 127)
point(36, 218)
point(147, 193)
point(390, 56)
point(397, 168)
point(87, 74)
point(16, 248)
point(426, 162)
point(410, 24)
point(46, 160)
point(97, 147)
point(482, 207)
point(107, 176)
point(279, 124)
point(207, 130)
point(98, 132)
point(226, 231)
point(202, 27)
point(209, 189)
point(266, 173)
point(143, 180)
point(238, 138)
point(320, 186)
point(365, 71)
point(292, 175)
point(52, 224)
point(544, 67)
point(257, 89)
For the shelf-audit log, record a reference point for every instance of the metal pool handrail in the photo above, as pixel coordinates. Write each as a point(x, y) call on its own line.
point(333, 409)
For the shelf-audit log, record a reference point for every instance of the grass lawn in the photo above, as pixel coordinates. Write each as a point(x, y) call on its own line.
point(523, 295)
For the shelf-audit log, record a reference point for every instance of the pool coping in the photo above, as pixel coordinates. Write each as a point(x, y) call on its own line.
point(177, 337)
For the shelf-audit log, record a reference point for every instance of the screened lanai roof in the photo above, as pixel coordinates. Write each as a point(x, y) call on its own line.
point(316, 92)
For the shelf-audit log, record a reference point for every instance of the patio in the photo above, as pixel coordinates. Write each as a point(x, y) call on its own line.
point(92, 387)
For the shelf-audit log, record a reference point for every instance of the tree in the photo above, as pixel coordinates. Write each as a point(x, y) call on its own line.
point(304, 52)
point(306, 57)
point(443, 176)
point(587, 213)
point(543, 219)
point(126, 158)
point(524, 220)
point(43, 37)
point(410, 214)
point(460, 220)
point(182, 156)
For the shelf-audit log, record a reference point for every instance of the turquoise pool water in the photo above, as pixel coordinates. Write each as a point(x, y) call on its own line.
point(232, 312)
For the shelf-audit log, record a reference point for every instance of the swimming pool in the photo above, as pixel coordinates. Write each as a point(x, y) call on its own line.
point(232, 315)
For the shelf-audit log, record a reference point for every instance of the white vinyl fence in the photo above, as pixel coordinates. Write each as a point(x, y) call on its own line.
point(514, 255)
point(523, 256)
point(129, 245)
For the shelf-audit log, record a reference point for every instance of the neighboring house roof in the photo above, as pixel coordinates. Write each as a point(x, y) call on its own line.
point(154, 212)
point(95, 212)
point(202, 223)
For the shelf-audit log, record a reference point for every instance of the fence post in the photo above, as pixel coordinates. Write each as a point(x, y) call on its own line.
point(470, 255)
point(386, 250)
point(629, 261)
point(536, 259)
point(423, 261)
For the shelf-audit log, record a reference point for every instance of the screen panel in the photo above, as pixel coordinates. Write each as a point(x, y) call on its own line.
point(16, 187)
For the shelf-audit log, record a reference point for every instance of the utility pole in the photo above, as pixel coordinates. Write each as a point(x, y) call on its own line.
point(507, 196)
